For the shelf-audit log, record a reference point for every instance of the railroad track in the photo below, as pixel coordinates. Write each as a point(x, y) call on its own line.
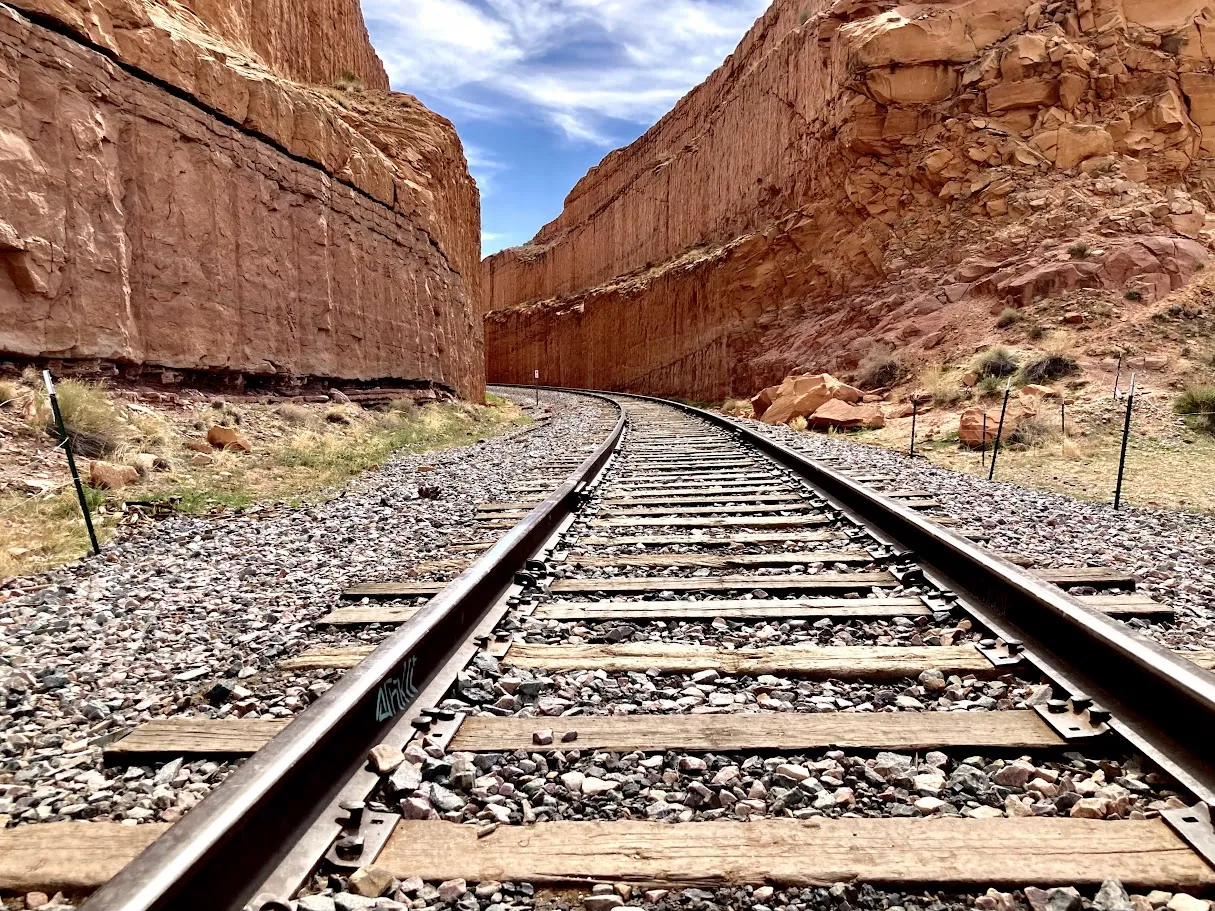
point(701, 660)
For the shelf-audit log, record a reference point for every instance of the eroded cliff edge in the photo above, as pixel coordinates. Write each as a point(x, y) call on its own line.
point(865, 172)
point(229, 186)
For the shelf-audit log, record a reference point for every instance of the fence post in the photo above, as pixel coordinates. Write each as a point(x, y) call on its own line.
point(1117, 377)
point(984, 444)
point(66, 442)
point(1063, 421)
point(995, 449)
point(537, 387)
point(1126, 434)
point(915, 411)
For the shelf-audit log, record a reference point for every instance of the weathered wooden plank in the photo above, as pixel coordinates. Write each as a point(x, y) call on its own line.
point(742, 537)
point(72, 857)
point(394, 589)
point(682, 465)
point(714, 522)
point(800, 505)
point(1017, 729)
point(192, 737)
point(653, 493)
point(326, 657)
point(870, 478)
point(1127, 605)
point(755, 609)
point(712, 561)
point(922, 504)
point(1095, 576)
point(843, 662)
point(675, 499)
point(907, 494)
point(798, 582)
point(957, 852)
point(376, 613)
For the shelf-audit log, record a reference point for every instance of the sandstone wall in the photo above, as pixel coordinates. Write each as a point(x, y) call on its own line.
point(798, 206)
point(241, 222)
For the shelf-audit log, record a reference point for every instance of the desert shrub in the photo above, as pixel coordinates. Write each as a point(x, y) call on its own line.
point(1008, 317)
point(9, 393)
point(294, 414)
point(1048, 367)
point(1197, 404)
point(880, 367)
point(1035, 332)
point(943, 384)
point(408, 408)
point(1032, 431)
point(1133, 295)
point(348, 82)
point(803, 17)
point(1079, 251)
point(340, 414)
point(94, 424)
point(998, 361)
point(990, 387)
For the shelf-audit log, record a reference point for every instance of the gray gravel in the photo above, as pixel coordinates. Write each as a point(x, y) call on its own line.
point(190, 616)
point(495, 896)
point(1171, 554)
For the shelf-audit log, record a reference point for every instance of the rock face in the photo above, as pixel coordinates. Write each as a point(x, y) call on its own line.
point(862, 172)
point(242, 221)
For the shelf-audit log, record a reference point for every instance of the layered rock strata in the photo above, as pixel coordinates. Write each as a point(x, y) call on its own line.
point(170, 197)
point(860, 172)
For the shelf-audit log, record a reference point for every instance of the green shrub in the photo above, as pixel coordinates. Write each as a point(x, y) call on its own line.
point(1197, 404)
point(1079, 251)
point(94, 424)
point(1133, 295)
point(1046, 368)
point(1008, 316)
point(998, 361)
point(1035, 332)
point(880, 367)
point(991, 387)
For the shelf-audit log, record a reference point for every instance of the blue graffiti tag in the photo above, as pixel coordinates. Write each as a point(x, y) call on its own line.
point(396, 693)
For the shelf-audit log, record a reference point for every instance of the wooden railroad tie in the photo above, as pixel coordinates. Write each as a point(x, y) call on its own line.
point(823, 662)
point(798, 582)
point(801, 521)
point(958, 853)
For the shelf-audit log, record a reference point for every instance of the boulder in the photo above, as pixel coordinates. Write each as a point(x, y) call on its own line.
point(843, 416)
point(227, 438)
point(1077, 142)
point(763, 399)
point(1034, 391)
point(109, 476)
point(802, 396)
point(970, 426)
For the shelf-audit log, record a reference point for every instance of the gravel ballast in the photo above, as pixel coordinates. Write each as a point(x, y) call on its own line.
point(189, 616)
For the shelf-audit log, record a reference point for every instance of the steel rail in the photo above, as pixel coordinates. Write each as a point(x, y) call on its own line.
point(1161, 703)
point(221, 851)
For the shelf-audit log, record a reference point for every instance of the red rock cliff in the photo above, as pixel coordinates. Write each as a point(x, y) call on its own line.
point(175, 193)
point(847, 164)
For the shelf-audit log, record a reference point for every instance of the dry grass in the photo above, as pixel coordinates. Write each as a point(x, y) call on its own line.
point(943, 384)
point(996, 362)
point(298, 457)
point(1197, 406)
point(94, 424)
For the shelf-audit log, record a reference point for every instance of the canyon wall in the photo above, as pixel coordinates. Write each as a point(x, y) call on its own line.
point(860, 172)
point(173, 197)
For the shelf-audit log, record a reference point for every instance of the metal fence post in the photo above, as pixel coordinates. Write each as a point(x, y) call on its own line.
point(1126, 435)
point(995, 449)
point(915, 412)
point(67, 447)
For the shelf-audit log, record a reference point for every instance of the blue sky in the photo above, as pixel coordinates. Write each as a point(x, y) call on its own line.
point(541, 90)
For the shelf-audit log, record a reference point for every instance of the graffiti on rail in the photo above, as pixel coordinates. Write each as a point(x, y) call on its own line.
point(397, 692)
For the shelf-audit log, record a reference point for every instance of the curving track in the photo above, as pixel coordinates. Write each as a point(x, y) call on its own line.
point(705, 661)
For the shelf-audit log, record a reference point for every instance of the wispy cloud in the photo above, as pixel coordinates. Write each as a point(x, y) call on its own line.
point(483, 166)
point(579, 66)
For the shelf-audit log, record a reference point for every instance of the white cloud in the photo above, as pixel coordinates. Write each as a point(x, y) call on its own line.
point(574, 64)
point(483, 166)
